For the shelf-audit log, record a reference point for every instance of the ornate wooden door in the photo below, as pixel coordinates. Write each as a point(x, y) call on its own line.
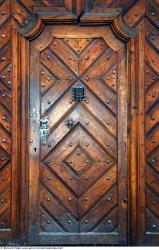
point(78, 136)
point(79, 99)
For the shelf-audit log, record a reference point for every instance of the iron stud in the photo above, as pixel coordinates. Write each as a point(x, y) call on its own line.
point(26, 21)
point(154, 226)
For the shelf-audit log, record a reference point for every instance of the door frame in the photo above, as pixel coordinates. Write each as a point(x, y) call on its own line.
point(136, 140)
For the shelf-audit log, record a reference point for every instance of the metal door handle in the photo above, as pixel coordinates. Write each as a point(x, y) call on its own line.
point(44, 130)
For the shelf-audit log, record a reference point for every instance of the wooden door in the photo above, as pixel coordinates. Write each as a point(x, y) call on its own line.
point(128, 34)
point(78, 175)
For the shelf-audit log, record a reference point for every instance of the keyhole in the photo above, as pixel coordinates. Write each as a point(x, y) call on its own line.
point(35, 149)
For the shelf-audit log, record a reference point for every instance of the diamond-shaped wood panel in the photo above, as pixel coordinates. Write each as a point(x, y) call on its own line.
point(152, 127)
point(78, 166)
point(5, 116)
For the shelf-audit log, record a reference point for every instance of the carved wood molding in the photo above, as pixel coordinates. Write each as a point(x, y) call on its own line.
point(45, 15)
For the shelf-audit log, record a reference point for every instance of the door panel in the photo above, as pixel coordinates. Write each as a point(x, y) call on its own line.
point(143, 123)
point(78, 180)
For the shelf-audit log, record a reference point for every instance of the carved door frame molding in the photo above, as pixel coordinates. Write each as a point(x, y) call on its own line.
point(136, 116)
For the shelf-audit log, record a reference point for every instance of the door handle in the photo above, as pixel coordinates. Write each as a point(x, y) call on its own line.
point(44, 130)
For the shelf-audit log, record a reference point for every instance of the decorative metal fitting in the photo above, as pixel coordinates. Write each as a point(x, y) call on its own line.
point(69, 123)
point(78, 93)
point(44, 131)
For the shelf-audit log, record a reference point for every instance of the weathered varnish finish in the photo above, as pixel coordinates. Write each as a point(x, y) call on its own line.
point(96, 180)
